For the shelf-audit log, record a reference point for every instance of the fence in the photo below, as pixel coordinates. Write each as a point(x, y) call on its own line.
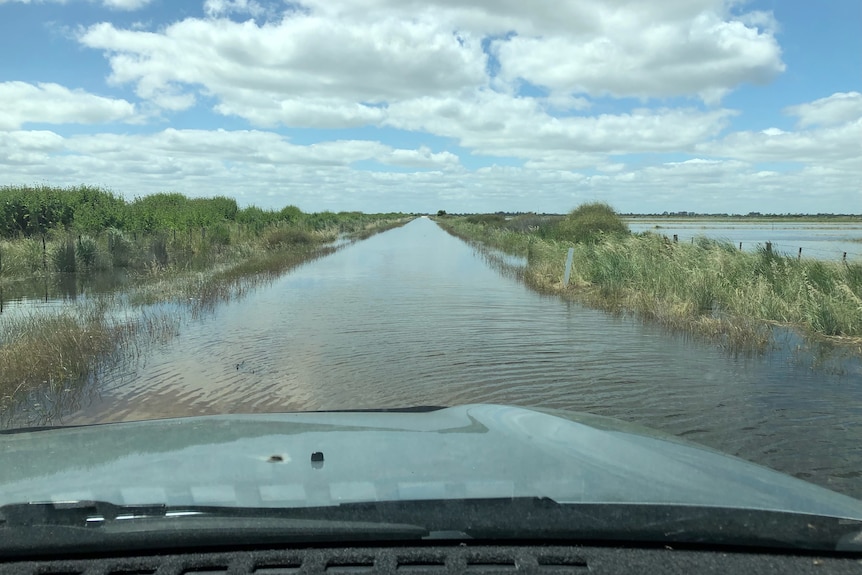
point(836, 254)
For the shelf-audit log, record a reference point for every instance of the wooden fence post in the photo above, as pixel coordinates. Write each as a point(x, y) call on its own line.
point(799, 256)
point(675, 239)
point(740, 246)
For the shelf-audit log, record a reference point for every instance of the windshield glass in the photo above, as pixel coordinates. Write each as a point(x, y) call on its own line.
point(592, 253)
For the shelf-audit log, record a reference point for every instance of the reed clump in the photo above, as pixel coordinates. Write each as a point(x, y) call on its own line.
point(706, 287)
point(49, 349)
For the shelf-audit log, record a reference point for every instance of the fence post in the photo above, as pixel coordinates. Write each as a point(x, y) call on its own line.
point(799, 256)
point(568, 270)
point(740, 246)
point(675, 239)
point(769, 247)
point(844, 258)
point(44, 254)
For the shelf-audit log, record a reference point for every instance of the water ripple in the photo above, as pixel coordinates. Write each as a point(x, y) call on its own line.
point(417, 317)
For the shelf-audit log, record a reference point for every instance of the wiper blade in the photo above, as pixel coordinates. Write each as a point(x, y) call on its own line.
point(86, 526)
point(77, 513)
point(543, 519)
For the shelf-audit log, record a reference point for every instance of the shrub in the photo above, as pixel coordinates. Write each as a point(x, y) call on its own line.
point(487, 219)
point(219, 235)
point(63, 256)
point(86, 251)
point(589, 222)
point(281, 237)
point(120, 248)
point(159, 248)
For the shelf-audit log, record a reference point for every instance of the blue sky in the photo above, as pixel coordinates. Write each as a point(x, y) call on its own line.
point(401, 105)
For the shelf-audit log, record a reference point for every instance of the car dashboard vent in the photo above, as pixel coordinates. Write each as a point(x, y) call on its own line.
point(441, 560)
point(325, 561)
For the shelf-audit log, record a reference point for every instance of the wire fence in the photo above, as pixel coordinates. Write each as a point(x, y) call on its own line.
point(806, 250)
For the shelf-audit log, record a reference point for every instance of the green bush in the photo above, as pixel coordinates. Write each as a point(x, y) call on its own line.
point(281, 237)
point(159, 248)
point(218, 235)
point(120, 248)
point(63, 256)
point(588, 223)
point(86, 251)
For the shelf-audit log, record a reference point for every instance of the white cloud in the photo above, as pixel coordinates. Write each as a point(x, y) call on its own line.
point(421, 158)
point(357, 57)
point(281, 72)
point(267, 169)
point(836, 109)
point(224, 7)
point(642, 48)
point(834, 145)
point(48, 103)
point(126, 4)
point(706, 56)
point(113, 4)
point(495, 124)
point(262, 109)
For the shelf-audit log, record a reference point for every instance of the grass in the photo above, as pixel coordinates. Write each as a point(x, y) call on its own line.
point(50, 349)
point(707, 287)
point(54, 354)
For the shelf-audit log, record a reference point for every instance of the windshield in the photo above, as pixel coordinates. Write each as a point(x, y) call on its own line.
point(568, 257)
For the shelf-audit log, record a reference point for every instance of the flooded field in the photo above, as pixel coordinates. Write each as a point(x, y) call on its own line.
point(415, 316)
point(818, 240)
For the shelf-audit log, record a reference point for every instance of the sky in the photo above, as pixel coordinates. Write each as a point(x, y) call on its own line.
point(711, 106)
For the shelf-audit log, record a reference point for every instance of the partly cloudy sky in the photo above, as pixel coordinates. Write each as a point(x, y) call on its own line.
point(407, 105)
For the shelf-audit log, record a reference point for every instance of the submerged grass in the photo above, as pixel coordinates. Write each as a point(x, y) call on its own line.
point(56, 351)
point(707, 287)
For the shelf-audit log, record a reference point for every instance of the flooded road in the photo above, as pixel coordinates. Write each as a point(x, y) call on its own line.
point(415, 316)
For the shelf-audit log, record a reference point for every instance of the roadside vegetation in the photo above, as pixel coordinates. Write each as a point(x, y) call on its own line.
point(192, 252)
point(706, 287)
point(46, 230)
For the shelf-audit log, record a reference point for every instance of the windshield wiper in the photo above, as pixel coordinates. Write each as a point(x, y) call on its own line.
point(93, 525)
point(88, 526)
point(543, 519)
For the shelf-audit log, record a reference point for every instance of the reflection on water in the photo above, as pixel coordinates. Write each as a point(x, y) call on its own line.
point(415, 316)
point(58, 290)
point(818, 240)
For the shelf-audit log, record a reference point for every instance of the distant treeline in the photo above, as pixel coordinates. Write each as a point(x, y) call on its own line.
point(755, 215)
point(31, 211)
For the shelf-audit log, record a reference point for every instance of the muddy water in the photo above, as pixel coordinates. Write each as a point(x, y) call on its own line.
point(414, 316)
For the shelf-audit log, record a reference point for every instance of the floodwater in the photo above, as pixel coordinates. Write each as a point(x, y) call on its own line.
point(414, 316)
point(818, 240)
